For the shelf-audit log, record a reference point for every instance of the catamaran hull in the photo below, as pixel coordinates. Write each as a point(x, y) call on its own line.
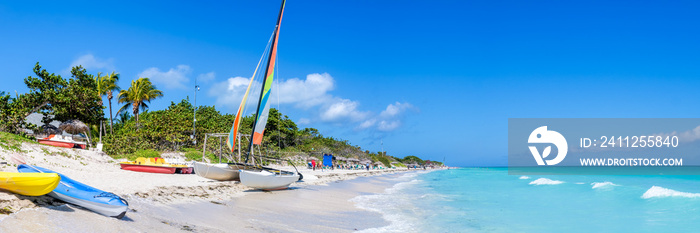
point(103, 209)
point(267, 180)
point(220, 172)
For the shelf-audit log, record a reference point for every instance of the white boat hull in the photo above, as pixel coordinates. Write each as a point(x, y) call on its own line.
point(220, 171)
point(103, 209)
point(266, 180)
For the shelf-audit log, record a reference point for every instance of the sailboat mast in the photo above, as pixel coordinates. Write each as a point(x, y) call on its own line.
point(270, 58)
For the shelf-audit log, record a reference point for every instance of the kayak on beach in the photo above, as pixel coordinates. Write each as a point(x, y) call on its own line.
point(74, 192)
point(28, 184)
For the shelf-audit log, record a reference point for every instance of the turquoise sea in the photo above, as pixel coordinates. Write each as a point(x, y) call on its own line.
point(490, 200)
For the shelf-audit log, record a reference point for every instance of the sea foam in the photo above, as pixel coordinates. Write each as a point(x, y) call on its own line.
point(545, 181)
point(656, 191)
point(395, 206)
point(605, 184)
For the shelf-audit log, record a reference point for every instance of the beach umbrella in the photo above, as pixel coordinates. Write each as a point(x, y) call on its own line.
point(49, 129)
point(73, 126)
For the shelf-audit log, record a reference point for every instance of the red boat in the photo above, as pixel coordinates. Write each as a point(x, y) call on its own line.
point(60, 141)
point(155, 165)
point(148, 168)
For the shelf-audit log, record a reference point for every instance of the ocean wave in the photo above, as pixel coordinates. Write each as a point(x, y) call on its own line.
point(408, 176)
point(545, 181)
point(396, 207)
point(435, 196)
point(602, 184)
point(657, 191)
point(401, 186)
point(524, 178)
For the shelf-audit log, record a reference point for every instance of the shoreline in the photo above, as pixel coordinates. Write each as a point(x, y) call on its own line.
point(149, 194)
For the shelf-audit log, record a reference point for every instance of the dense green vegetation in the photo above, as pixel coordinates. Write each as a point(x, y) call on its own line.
point(151, 132)
point(54, 97)
point(170, 130)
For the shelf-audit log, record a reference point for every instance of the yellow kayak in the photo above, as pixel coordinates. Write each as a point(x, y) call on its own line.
point(29, 184)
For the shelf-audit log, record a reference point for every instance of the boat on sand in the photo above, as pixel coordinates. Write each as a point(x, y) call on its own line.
point(74, 192)
point(251, 174)
point(264, 178)
point(61, 141)
point(268, 180)
point(155, 165)
point(28, 184)
point(217, 171)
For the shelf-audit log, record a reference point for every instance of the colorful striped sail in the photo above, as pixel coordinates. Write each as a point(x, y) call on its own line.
point(264, 104)
point(231, 140)
point(232, 136)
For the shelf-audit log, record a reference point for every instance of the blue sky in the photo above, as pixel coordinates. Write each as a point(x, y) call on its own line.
point(429, 78)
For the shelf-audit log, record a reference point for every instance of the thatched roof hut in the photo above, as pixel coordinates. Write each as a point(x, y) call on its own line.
point(49, 129)
point(73, 126)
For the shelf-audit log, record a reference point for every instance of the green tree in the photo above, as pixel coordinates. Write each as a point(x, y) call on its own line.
point(280, 130)
point(79, 100)
point(5, 111)
point(106, 85)
point(55, 98)
point(123, 117)
point(412, 159)
point(140, 92)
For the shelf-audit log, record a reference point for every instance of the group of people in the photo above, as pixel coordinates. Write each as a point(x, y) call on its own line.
point(318, 165)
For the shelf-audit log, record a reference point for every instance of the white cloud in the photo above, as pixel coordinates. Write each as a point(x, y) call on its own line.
point(175, 78)
point(90, 62)
point(685, 136)
point(303, 121)
point(313, 94)
point(342, 109)
point(229, 93)
point(367, 123)
point(389, 119)
point(205, 78)
point(312, 91)
point(306, 93)
point(388, 125)
point(394, 110)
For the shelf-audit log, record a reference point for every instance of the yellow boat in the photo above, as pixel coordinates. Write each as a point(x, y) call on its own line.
point(155, 165)
point(29, 184)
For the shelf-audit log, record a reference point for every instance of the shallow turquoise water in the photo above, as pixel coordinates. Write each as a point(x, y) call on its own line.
point(490, 200)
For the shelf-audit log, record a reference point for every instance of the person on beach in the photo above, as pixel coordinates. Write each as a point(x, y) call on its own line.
point(313, 164)
point(367, 166)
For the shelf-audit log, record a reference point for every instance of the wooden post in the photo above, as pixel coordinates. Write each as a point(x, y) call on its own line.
point(100, 131)
point(239, 148)
point(204, 149)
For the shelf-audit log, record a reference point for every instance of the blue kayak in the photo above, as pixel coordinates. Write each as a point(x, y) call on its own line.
point(74, 192)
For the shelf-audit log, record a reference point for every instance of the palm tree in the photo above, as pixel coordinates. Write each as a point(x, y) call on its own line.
point(99, 80)
point(140, 92)
point(122, 117)
point(110, 85)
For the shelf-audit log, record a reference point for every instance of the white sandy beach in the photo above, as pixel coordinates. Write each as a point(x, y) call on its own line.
point(188, 202)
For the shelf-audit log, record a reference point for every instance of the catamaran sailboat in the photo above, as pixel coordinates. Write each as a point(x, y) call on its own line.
point(250, 174)
point(266, 179)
